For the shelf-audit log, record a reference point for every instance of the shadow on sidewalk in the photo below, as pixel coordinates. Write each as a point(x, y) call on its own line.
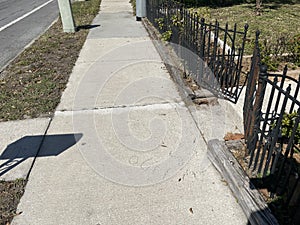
point(86, 27)
point(29, 146)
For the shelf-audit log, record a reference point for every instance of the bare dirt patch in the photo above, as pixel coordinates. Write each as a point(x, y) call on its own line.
point(10, 195)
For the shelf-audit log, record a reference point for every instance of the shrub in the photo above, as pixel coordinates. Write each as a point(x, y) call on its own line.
point(294, 49)
point(273, 51)
point(287, 126)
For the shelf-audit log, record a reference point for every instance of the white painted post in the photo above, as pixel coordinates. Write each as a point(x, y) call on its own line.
point(66, 15)
point(140, 9)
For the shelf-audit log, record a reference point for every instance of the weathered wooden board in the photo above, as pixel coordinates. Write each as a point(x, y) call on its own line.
point(247, 196)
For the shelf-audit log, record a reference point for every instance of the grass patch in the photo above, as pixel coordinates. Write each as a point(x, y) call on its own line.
point(277, 20)
point(31, 86)
point(278, 24)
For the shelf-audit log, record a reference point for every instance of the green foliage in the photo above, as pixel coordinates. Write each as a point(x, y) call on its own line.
point(273, 51)
point(203, 12)
point(287, 126)
point(294, 49)
point(160, 23)
point(177, 21)
point(133, 4)
point(166, 36)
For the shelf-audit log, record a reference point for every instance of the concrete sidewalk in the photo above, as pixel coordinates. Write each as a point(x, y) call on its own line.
point(123, 148)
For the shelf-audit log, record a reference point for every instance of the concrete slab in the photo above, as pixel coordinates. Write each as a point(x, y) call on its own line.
point(215, 121)
point(120, 83)
point(137, 146)
point(112, 27)
point(115, 6)
point(77, 191)
point(122, 147)
point(20, 141)
point(137, 83)
point(113, 49)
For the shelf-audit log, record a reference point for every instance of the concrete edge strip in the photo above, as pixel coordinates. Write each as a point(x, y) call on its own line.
point(248, 197)
point(39, 148)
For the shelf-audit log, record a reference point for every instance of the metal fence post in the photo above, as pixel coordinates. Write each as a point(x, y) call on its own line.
point(250, 91)
point(257, 110)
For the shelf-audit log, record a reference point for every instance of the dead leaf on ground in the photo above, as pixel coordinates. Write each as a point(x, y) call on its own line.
point(233, 136)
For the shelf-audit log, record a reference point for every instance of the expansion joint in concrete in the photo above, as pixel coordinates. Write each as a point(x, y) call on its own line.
point(147, 106)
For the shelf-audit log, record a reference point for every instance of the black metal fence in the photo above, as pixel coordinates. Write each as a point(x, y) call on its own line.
point(272, 129)
point(213, 57)
point(212, 54)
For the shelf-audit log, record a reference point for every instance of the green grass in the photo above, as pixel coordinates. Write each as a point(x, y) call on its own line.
point(277, 20)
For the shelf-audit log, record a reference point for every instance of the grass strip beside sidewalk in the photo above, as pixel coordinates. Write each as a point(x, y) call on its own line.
point(32, 84)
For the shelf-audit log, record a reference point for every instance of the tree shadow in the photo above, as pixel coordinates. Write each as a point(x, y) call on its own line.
point(30, 146)
point(86, 27)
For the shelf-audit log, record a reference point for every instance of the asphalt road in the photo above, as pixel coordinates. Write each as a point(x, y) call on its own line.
point(22, 21)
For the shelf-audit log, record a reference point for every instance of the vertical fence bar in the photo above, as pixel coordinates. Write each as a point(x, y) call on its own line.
point(276, 131)
point(202, 36)
point(257, 110)
point(263, 130)
point(250, 90)
point(209, 43)
point(295, 95)
point(225, 79)
point(281, 87)
point(232, 57)
point(288, 149)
